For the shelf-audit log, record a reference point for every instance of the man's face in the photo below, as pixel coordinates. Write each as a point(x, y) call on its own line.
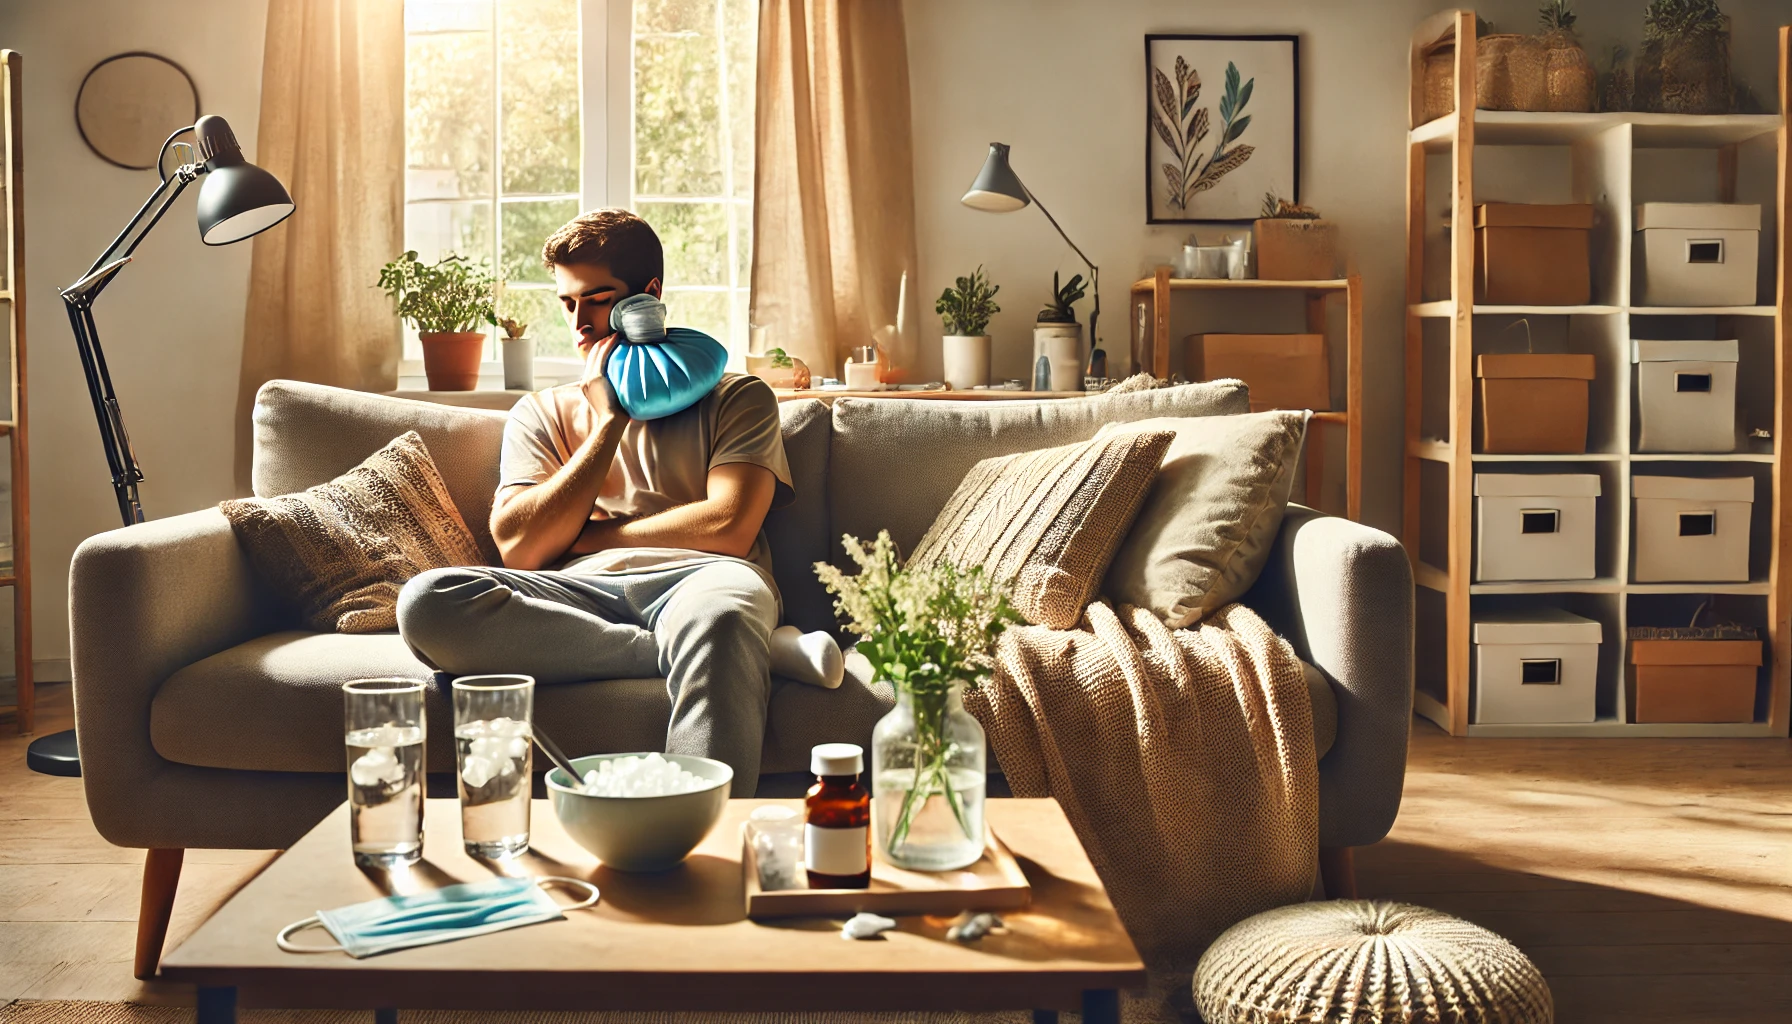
point(587, 291)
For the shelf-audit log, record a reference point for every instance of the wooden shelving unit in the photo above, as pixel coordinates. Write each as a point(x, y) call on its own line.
point(1154, 355)
point(17, 573)
point(1614, 161)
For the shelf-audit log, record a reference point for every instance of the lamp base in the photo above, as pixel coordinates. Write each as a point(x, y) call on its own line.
point(55, 754)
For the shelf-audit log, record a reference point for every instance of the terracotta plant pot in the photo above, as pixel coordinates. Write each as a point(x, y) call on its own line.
point(451, 359)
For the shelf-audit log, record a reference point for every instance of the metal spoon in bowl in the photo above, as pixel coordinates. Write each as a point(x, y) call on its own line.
point(556, 755)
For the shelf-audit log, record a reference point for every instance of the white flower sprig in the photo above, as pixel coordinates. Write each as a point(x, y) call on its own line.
point(923, 629)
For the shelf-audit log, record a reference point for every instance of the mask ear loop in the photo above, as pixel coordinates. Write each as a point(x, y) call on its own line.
point(280, 939)
point(590, 900)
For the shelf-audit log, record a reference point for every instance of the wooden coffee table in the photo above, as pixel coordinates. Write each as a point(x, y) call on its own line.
point(673, 941)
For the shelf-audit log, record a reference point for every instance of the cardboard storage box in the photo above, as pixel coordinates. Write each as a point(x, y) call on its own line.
point(1535, 666)
point(1534, 403)
point(1692, 529)
point(1283, 371)
point(1535, 526)
point(1697, 254)
point(1686, 395)
point(1533, 255)
point(1694, 680)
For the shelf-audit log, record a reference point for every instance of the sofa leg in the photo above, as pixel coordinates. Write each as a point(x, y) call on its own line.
point(161, 877)
point(1337, 869)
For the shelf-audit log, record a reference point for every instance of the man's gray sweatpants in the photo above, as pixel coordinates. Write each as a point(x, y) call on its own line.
point(704, 627)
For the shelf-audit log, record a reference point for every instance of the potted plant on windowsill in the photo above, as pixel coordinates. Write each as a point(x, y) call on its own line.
point(446, 302)
point(965, 310)
point(1058, 337)
point(1294, 243)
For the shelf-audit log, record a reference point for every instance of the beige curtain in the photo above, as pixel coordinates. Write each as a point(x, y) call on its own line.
point(332, 129)
point(834, 191)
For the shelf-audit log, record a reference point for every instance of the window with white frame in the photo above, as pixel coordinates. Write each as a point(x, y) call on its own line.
point(521, 113)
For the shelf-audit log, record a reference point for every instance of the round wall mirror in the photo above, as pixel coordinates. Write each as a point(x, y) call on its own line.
point(129, 104)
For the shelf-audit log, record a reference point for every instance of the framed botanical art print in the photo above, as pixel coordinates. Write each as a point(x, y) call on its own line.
point(1222, 125)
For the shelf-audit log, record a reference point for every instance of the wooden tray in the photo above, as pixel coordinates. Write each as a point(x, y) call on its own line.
point(994, 882)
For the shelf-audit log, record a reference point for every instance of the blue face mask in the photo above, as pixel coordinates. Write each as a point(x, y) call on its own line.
point(422, 919)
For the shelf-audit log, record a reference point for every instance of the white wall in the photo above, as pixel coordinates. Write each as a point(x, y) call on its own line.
point(172, 322)
point(1062, 81)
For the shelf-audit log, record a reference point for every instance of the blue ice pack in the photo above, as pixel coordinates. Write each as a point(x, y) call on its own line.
point(658, 371)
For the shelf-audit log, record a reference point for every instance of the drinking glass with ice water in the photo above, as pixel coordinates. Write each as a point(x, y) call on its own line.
point(383, 721)
point(492, 750)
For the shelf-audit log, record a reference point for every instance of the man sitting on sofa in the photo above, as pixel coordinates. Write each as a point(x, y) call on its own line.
point(631, 548)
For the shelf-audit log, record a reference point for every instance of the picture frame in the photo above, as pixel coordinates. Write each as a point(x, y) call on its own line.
point(1203, 169)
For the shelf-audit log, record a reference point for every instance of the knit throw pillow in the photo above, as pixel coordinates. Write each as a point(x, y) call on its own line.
point(1047, 520)
point(341, 551)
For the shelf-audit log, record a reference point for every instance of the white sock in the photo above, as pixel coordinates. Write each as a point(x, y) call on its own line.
point(812, 658)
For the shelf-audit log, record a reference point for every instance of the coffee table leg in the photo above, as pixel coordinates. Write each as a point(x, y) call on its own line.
point(1045, 1017)
point(216, 1006)
point(1101, 1006)
point(386, 1016)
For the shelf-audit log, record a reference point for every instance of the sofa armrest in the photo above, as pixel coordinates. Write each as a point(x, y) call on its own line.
point(1341, 593)
point(144, 602)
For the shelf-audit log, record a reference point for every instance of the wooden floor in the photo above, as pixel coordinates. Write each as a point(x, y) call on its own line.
point(1648, 878)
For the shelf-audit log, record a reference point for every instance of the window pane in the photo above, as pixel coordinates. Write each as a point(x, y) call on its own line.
point(539, 68)
point(700, 311)
point(695, 238)
point(437, 229)
point(448, 110)
point(741, 35)
point(675, 16)
point(527, 224)
point(539, 308)
point(678, 142)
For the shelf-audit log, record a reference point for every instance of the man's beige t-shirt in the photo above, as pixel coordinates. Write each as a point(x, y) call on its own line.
point(660, 464)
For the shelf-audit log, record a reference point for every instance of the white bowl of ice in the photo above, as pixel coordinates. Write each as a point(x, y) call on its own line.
point(641, 812)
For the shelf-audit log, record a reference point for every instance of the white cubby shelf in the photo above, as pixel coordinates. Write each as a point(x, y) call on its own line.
point(1613, 161)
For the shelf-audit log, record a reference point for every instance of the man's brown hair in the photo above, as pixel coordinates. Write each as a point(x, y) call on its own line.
point(613, 237)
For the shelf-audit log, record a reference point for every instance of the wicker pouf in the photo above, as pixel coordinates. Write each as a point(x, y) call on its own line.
point(1367, 962)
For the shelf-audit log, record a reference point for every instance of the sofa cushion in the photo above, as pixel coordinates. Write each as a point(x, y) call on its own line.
point(893, 463)
point(1047, 520)
point(798, 532)
point(307, 434)
point(341, 550)
point(275, 704)
point(1208, 525)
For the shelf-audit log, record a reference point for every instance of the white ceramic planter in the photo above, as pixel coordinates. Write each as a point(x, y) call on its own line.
point(1062, 345)
point(519, 363)
point(965, 360)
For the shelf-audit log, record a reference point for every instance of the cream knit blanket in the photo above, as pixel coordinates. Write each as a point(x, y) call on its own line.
point(1184, 760)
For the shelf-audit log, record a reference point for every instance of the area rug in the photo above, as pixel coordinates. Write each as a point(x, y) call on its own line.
point(1134, 1010)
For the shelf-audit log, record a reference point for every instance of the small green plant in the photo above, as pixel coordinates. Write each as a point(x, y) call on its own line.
point(1064, 298)
point(513, 328)
point(780, 359)
point(966, 307)
point(1681, 19)
point(1277, 208)
point(1557, 16)
point(451, 295)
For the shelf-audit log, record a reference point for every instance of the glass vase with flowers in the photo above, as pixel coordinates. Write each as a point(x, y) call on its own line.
point(931, 633)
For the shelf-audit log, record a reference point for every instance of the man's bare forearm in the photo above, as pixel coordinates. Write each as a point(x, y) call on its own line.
point(726, 522)
point(536, 526)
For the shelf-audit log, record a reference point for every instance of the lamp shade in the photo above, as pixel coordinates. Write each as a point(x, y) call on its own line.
point(997, 189)
point(238, 199)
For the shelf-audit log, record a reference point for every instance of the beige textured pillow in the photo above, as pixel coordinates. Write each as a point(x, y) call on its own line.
point(1206, 527)
point(1049, 520)
point(341, 551)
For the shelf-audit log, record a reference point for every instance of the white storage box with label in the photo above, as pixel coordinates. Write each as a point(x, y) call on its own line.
point(1535, 527)
point(1535, 666)
point(1698, 254)
point(1692, 529)
point(1686, 395)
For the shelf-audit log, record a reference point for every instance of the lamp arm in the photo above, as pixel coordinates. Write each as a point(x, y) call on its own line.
point(166, 192)
point(1094, 274)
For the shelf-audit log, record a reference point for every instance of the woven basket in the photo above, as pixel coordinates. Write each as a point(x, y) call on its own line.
point(1570, 82)
point(1440, 81)
point(1509, 73)
point(1685, 75)
point(1367, 963)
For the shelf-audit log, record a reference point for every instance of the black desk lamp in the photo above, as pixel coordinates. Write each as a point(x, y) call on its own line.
point(238, 200)
point(998, 190)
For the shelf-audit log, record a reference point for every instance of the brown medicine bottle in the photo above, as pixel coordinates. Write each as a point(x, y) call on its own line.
point(837, 819)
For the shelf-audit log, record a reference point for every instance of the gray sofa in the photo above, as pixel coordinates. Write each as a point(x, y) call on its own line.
point(207, 720)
